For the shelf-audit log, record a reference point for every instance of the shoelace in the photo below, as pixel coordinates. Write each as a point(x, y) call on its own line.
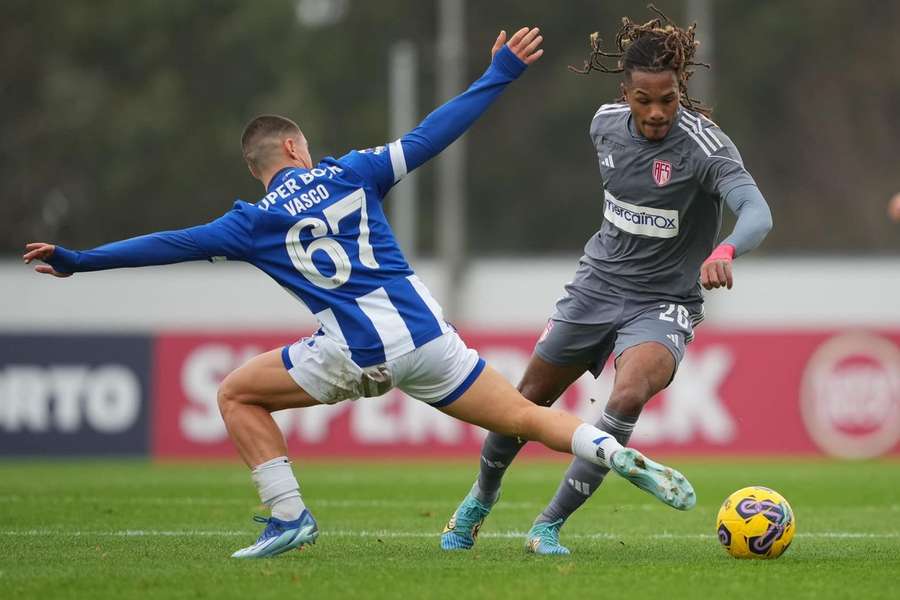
point(551, 530)
point(271, 527)
point(472, 512)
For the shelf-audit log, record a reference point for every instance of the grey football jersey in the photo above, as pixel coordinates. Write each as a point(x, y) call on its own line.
point(662, 202)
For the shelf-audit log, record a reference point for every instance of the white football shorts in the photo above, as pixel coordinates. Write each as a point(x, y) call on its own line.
point(436, 373)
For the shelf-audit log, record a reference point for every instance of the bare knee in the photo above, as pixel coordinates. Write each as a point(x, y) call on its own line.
point(232, 395)
point(538, 392)
point(543, 383)
point(629, 400)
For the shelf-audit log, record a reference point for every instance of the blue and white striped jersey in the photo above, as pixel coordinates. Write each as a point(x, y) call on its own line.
point(323, 236)
point(321, 233)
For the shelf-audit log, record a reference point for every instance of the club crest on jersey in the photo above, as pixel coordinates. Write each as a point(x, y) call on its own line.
point(662, 172)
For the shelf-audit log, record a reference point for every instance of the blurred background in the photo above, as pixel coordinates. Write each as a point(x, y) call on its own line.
point(121, 118)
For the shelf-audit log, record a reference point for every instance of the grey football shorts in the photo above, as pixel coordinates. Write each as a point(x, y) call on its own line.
point(610, 324)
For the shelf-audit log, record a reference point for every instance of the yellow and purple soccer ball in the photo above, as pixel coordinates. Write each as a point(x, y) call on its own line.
point(755, 522)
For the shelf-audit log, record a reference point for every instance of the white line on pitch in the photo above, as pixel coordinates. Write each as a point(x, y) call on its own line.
point(314, 502)
point(362, 503)
point(419, 534)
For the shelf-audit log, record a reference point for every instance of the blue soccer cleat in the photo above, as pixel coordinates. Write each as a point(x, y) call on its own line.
point(280, 536)
point(462, 528)
point(667, 484)
point(543, 538)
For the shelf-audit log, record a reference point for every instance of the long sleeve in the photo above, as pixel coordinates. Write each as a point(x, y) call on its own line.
point(448, 122)
point(228, 237)
point(754, 219)
point(386, 165)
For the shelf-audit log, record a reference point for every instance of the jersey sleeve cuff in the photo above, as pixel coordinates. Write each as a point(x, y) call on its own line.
point(723, 251)
point(507, 62)
point(63, 260)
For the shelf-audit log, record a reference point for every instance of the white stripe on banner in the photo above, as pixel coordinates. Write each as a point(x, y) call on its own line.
point(391, 327)
point(429, 301)
point(398, 161)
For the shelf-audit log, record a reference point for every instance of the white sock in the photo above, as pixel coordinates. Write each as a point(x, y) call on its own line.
point(594, 445)
point(278, 488)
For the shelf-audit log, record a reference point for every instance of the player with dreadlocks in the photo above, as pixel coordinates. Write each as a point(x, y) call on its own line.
point(667, 171)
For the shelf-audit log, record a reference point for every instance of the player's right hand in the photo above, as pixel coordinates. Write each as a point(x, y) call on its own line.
point(42, 251)
point(524, 44)
point(715, 272)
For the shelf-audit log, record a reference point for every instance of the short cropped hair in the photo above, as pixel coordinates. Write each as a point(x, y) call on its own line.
point(262, 137)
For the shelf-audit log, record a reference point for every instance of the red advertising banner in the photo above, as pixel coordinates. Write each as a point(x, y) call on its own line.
point(736, 392)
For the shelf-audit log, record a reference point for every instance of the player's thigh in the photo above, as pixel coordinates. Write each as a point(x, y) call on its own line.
point(493, 403)
point(544, 382)
point(264, 381)
point(644, 370)
point(651, 344)
point(564, 353)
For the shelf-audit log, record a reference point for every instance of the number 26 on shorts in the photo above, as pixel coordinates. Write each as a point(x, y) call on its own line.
point(675, 312)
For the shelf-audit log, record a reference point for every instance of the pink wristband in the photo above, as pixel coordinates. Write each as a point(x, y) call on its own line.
point(722, 252)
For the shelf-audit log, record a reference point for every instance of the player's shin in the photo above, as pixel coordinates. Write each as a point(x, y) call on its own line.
point(582, 478)
point(497, 452)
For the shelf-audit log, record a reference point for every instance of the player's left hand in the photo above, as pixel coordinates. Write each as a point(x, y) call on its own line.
point(42, 251)
point(716, 270)
point(524, 44)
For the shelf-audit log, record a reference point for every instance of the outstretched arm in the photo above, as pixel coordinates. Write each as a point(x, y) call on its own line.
point(228, 236)
point(386, 166)
point(448, 122)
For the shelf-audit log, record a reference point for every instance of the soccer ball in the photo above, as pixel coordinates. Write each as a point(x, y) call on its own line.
point(755, 522)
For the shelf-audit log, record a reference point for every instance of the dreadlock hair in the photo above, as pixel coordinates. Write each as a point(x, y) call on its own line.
point(655, 46)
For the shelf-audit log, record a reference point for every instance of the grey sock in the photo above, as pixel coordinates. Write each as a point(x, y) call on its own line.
point(496, 454)
point(582, 477)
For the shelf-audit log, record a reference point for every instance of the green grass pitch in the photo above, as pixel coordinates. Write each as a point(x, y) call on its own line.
point(120, 529)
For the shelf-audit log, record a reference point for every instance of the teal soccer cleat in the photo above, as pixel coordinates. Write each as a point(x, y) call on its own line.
point(280, 536)
point(667, 484)
point(543, 538)
point(462, 528)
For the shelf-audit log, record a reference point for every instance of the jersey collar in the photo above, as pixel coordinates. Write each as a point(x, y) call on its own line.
point(278, 178)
